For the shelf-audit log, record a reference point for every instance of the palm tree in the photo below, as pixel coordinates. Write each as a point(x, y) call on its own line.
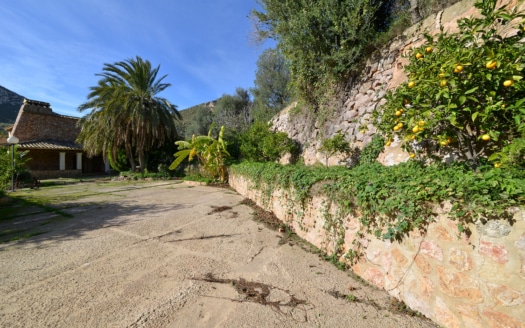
point(125, 112)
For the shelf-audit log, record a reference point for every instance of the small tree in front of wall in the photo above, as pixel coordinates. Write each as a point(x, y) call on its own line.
point(337, 145)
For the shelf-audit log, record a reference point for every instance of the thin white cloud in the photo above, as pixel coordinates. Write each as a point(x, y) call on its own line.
point(51, 50)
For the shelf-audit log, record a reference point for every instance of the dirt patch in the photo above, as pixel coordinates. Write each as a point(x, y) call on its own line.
point(260, 293)
point(219, 209)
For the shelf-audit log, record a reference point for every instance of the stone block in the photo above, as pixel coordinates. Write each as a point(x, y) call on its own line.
point(460, 259)
point(444, 315)
point(390, 59)
point(362, 100)
point(388, 73)
point(426, 287)
point(400, 260)
point(380, 95)
point(458, 284)
point(423, 264)
point(417, 303)
point(350, 115)
point(372, 68)
point(498, 319)
point(362, 111)
point(365, 87)
point(432, 249)
point(374, 276)
point(349, 104)
point(440, 233)
point(470, 315)
point(371, 130)
point(506, 296)
point(520, 244)
point(496, 252)
point(370, 109)
point(495, 229)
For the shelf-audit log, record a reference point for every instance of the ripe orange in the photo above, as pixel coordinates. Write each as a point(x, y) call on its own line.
point(398, 113)
point(397, 128)
point(428, 49)
point(443, 143)
point(497, 165)
point(412, 155)
point(508, 83)
point(443, 83)
point(491, 64)
point(458, 69)
point(442, 74)
point(485, 137)
point(415, 129)
point(421, 123)
point(388, 143)
point(419, 55)
point(411, 84)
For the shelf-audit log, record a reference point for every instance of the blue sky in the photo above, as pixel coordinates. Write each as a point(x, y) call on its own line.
point(51, 50)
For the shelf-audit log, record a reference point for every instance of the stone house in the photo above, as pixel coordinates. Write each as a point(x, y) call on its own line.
point(50, 139)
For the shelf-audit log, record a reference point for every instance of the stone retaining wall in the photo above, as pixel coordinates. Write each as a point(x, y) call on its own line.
point(352, 108)
point(475, 281)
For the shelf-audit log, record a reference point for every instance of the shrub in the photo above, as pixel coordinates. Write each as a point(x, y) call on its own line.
point(465, 93)
point(260, 144)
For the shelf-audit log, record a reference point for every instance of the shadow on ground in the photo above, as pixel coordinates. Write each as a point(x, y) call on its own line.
point(68, 211)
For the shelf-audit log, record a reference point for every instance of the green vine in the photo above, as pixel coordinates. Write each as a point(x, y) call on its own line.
point(372, 150)
point(392, 201)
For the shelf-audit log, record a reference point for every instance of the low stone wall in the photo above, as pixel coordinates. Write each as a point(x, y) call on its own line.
point(475, 281)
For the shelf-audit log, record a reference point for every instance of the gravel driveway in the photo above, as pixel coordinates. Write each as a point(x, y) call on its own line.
point(167, 254)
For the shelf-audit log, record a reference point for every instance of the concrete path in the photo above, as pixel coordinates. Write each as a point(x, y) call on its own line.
point(166, 254)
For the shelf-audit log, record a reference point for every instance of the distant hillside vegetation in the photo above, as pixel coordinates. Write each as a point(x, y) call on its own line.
point(188, 114)
point(10, 103)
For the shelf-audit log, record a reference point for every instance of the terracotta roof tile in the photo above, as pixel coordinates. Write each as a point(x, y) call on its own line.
point(50, 144)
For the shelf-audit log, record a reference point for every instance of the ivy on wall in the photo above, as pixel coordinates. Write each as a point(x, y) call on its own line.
point(392, 201)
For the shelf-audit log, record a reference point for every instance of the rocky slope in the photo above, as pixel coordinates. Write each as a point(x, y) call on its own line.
point(10, 103)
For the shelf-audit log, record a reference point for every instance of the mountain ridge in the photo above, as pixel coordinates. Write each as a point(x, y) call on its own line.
point(10, 103)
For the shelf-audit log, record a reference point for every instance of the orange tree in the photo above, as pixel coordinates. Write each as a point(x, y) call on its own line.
point(465, 95)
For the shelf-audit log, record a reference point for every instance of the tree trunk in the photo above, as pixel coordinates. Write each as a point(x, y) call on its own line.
point(131, 158)
point(142, 160)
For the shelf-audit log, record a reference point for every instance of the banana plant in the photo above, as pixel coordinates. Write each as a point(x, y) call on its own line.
point(211, 154)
